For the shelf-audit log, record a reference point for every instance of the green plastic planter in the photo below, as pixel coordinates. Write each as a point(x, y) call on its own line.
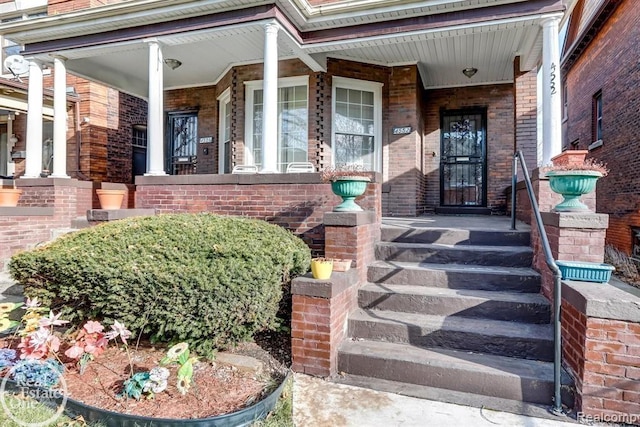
point(571, 185)
point(585, 271)
point(349, 187)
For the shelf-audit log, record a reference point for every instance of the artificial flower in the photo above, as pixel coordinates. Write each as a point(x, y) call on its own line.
point(93, 327)
point(118, 330)
point(52, 320)
point(31, 303)
point(74, 352)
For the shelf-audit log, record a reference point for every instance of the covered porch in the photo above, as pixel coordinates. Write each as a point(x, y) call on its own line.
point(279, 83)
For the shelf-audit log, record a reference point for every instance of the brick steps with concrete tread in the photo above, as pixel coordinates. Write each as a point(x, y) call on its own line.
point(455, 276)
point(514, 339)
point(506, 256)
point(489, 375)
point(454, 236)
point(523, 307)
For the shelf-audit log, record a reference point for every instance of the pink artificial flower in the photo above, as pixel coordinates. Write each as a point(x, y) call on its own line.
point(31, 303)
point(39, 338)
point(52, 320)
point(74, 352)
point(93, 327)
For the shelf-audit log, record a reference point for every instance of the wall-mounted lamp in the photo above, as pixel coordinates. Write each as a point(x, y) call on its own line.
point(470, 71)
point(172, 63)
point(13, 139)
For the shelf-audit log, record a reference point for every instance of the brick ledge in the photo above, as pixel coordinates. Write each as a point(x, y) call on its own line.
point(308, 286)
point(614, 300)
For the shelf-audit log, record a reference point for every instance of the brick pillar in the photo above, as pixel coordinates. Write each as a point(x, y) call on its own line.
point(526, 113)
point(321, 307)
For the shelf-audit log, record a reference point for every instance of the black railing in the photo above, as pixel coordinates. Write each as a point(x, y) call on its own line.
point(551, 263)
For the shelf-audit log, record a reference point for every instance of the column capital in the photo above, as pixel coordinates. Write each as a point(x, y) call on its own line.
point(271, 27)
point(550, 21)
point(151, 40)
point(59, 57)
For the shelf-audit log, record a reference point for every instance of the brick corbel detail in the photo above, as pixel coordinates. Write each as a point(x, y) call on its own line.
point(321, 307)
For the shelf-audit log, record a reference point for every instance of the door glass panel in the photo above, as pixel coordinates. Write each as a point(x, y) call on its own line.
point(463, 160)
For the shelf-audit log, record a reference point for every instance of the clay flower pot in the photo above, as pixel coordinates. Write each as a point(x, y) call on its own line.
point(110, 199)
point(9, 197)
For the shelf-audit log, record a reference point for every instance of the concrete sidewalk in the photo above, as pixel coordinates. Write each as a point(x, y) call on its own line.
point(320, 403)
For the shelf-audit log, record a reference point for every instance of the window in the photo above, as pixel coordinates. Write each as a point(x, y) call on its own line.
point(293, 117)
point(224, 132)
point(597, 117)
point(357, 121)
point(139, 150)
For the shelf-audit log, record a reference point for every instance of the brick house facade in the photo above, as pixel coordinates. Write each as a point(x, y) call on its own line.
point(601, 60)
point(406, 144)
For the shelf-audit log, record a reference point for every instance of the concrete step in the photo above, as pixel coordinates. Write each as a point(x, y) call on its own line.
point(455, 276)
point(455, 236)
point(505, 256)
point(511, 306)
point(513, 339)
point(487, 375)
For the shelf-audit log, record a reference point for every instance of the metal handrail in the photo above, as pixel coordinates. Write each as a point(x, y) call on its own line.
point(557, 289)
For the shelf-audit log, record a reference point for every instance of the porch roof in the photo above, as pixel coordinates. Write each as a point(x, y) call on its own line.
point(108, 44)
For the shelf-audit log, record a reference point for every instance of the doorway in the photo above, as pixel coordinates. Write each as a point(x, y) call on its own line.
point(463, 163)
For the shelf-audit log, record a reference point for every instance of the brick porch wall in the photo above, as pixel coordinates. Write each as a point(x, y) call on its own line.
point(294, 201)
point(45, 204)
point(601, 348)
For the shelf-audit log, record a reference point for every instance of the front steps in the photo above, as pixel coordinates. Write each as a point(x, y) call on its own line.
point(453, 309)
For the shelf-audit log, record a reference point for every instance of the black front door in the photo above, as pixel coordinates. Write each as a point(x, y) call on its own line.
point(463, 163)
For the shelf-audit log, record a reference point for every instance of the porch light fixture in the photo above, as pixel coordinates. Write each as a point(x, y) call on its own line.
point(470, 71)
point(172, 63)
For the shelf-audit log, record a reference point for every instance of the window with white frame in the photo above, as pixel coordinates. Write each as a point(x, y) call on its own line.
point(293, 118)
point(224, 132)
point(357, 123)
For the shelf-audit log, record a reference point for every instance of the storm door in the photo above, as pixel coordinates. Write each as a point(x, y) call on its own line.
point(463, 163)
point(183, 143)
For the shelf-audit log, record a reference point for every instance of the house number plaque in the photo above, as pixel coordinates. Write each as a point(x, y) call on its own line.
point(401, 130)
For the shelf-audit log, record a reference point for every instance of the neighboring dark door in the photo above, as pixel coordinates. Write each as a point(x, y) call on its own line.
point(463, 163)
point(183, 143)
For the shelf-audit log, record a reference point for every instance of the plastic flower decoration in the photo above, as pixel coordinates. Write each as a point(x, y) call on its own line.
point(118, 330)
point(157, 383)
point(5, 309)
point(8, 357)
point(37, 373)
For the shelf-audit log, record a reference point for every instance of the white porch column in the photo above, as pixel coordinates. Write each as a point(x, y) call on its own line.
point(59, 118)
point(270, 100)
point(155, 122)
point(33, 163)
point(551, 91)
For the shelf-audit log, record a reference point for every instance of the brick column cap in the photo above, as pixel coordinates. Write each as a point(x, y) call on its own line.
point(52, 182)
point(349, 219)
point(614, 300)
point(338, 283)
point(588, 220)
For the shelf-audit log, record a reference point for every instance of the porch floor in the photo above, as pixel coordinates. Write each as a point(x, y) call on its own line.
point(461, 222)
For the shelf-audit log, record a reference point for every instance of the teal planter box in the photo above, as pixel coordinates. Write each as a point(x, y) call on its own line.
point(585, 271)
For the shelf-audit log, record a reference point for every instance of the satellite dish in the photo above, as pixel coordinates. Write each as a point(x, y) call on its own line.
point(16, 64)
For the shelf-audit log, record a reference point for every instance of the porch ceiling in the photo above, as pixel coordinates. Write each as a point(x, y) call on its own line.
point(442, 38)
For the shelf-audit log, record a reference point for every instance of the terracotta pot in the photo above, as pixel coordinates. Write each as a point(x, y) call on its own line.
point(110, 199)
point(9, 197)
point(570, 157)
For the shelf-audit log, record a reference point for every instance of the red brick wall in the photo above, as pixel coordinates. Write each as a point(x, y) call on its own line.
point(297, 207)
point(526, 114)
point(500, 136)
point(604, 358)
point(610, 64)
point(19, 232)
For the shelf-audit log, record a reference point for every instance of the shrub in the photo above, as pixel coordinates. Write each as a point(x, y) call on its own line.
point(209, 280)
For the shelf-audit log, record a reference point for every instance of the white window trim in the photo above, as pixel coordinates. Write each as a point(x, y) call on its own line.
point(369, 86)
point(223, 99)
point(250, 87)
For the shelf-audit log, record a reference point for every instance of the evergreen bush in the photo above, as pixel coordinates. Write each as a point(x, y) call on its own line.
point(206, 279)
